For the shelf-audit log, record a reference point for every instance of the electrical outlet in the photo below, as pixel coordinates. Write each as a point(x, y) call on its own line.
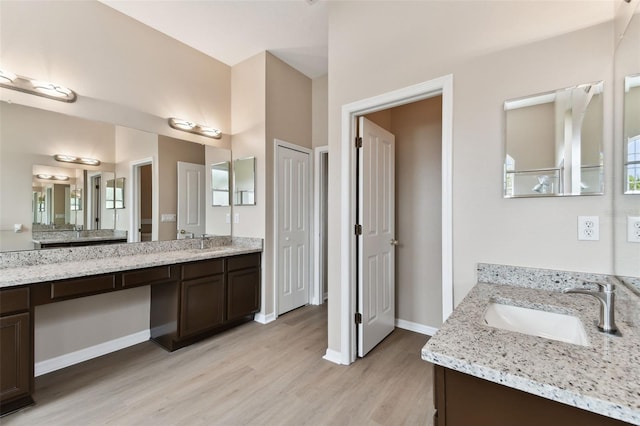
point(588, 228)
point(167, 217)
point(633, 229)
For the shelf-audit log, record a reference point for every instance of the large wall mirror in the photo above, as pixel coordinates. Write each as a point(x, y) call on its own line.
point(626, 204)
point(130, 195)
point(553, 143)
point(631, 134)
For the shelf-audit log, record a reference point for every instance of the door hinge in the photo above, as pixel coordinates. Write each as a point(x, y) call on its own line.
point(358, 229)
point(358, 142)
point(358, 318)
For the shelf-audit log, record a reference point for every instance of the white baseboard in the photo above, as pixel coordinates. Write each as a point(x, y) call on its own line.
point(62, 361)
point(264, 319)
point(414, 326)
point(333, 356)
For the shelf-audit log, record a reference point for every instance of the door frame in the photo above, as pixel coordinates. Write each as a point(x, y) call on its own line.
point(134, 199)
point(318, 295)
point(276, 237)
point(348, 263)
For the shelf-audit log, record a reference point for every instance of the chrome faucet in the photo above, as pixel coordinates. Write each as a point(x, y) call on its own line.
point(203, 237)
point(606, 296)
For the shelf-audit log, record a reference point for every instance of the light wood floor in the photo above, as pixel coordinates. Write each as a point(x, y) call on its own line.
point(255, 374)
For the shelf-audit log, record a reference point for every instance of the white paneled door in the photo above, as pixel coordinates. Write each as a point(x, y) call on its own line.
point(191, 200)
point(293, 228)
point(376, 242)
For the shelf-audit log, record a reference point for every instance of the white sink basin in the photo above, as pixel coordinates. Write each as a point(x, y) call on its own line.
point(564, 328)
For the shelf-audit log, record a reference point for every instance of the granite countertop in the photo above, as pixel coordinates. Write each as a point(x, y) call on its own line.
point(603, 378)
point(34, 273)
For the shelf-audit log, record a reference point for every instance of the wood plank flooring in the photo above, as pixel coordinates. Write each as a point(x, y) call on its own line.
point(255, 374)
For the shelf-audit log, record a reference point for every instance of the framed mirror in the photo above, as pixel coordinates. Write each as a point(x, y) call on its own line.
point(553, 143)
point(631, 134)
point(115, 193)
point(220, 195)
point(244, 181)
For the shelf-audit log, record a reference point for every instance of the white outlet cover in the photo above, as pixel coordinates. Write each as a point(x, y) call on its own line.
point(168, 217)
point(633, 229)
point(588, 228)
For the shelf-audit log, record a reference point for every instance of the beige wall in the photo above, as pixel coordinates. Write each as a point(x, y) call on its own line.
point(248, 109)
point(288, 97)
point(124, 72)
point(486, 71)
point(65, 327)
point(269, 100)
point(319, 110)
point(170, 151)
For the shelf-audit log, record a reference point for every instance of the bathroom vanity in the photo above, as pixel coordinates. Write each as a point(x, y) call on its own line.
point(194, 293)
point(486, 375)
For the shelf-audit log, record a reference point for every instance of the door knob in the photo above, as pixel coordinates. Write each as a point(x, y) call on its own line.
point(182, 231)
point(393, 242)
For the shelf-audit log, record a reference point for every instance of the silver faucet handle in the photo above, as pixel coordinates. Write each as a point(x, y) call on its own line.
point(606, 287)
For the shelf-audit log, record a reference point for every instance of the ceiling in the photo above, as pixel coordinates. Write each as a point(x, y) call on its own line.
point(233, 30)
point(296, 31)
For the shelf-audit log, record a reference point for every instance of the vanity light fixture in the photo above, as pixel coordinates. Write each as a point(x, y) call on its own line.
point(46, 89)
point(7, 76)
point(78, 160)
point(191, 127)
point(52, 177)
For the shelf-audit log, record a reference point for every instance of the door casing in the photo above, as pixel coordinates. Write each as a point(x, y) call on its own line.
point(318, 294)
point(348, 261)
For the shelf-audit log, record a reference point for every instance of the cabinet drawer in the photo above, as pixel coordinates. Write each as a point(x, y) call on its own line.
point(14, 300)
point(146, 276)
point(83, 286)
point(202, 269)
point(243, 261)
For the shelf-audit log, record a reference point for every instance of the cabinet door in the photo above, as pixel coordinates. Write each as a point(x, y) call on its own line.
point(14, 356)
point(201, 304)
point(243, 293)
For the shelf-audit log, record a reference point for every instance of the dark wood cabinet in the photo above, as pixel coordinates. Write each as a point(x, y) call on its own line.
point(211, 296)
point(16, 362)
point(189, 302)
point(243, 288)
point(462, 399)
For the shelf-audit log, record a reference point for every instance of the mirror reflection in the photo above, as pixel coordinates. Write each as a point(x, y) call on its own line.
point(553, 143)
point(115, 193)
point(244, 181)
point(220, 184)
point(632, 134)
point(119, 200)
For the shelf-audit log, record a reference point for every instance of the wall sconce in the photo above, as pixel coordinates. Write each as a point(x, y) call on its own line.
point(77, 160)
point(46, 89)
point(52, 177)
point(191, 127)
